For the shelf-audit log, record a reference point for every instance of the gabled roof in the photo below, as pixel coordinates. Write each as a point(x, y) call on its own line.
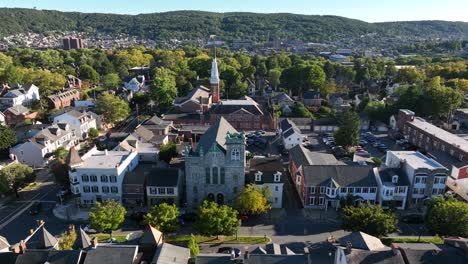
point(282, 97)
point(41, 239)
point(194, 95)
point(374, 257)
point(73, 157)
point(18, 110)
point(82, 240)
point(311, 94)
point(339, 175)
point(170, 254)
point(4, 243)
point(230, 106)
point(49, 256)
point(115, 254)
point(216, 134)
point(302, 156)
point(362, 240)
point(151, 236)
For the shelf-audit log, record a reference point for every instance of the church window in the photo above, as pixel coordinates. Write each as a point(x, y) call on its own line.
point(223, 175)
point(215, 175)
point(235, 154)
point(207, 176)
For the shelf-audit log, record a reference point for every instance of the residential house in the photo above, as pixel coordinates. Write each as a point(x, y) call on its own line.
point(454, 250)
point(338, 102)
point(17, 115)
point(215, 169)
point(80, 122)
point(393, 188)
point(148, 244)
point(134, 84)
point(268, 173)
point(282, 99)
point(63, 99)
point(290, 134)
point(164, 185)
point(21, 95)
point(312, 100)
point(426, 177)
point(25, 132)
point(429, 137)
point(133, 185)
point(459, 119)
point(38, 150)
point(73, 82)
point(98, 175)
point(115, 254)
point(170, 254)
point(147, 152)
point(457, 182)
point(197, 100)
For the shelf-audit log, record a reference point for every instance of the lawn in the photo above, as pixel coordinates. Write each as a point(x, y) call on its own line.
point(435, 240)
point(222, 239)
point(105, 237)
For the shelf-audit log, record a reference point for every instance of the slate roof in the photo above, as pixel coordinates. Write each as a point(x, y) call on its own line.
point(138, 175)
point(420, 253)
point(341, 175)
point(325, 122)
point(170, 254)
point(82, 239)
point(195, 94)
point(285, 124)
point(323, 253)
point(216, 133)
point(213, 259)
point(362, 240)
point(18, 110)
point(311, 94)
point(302, 156)
point(115, 254)
point(268, 167)
point(283, 97)
point(151, 236)
point(374, 257)
point(168, 177)
point(49, 256)
point(387, 174)
point(4, 243)
point(41, 239)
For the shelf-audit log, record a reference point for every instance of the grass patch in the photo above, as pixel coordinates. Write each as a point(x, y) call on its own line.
point(30, 187)
point(222, 239)
point(105, 237)
point(435, 240)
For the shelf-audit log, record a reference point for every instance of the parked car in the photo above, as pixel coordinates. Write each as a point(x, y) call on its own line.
point(230, 250)
point(413, 219)
point(35, 208)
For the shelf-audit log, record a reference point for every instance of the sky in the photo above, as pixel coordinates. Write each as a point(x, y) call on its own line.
point(366, 10)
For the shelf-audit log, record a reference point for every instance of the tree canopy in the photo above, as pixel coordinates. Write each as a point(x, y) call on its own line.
point(348, 133)
point(368, 219)
point(215, 220)
point(14, 176)
point(447, 216)
point(163, 88)
point(107, 216)
point(112, 107)
point(7, 137)
point(163, 217)
point(253, 200)
point(167, 151)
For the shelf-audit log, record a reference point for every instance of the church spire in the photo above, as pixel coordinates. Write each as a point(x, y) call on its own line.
point(214, 81)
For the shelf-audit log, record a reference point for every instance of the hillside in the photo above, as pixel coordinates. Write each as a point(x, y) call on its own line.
point(228, 26)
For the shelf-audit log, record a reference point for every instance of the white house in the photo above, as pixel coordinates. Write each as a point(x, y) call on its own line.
point(290, 133)
point(37, 151)
point(393, 188)
point(80, 122)
point(147, 151)
point(134, 84)
point(268, 173)
point(22, 95)
point(98, 175)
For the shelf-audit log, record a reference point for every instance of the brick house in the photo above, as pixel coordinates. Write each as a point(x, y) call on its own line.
point(63, 99)
point(16, 115)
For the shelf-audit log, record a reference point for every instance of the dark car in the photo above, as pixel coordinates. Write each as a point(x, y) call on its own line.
point(35, 208)
point(230, 250)
point(413, 219)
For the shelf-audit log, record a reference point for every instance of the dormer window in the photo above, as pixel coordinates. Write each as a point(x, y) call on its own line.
point(277, 177)
point(235, 154)
point(395, 179)
point(258, 176)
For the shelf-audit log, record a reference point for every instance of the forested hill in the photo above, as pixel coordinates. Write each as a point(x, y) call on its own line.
point(227, 26)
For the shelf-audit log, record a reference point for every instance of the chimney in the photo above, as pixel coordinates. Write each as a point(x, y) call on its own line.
point(94, 242)
point(395, 249)
point(349, 247)
point(246, 255)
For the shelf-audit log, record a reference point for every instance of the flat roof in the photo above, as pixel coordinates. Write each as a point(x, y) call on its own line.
point(238, 102)
point(101, 160)
point(417, 160)
point(440, 133)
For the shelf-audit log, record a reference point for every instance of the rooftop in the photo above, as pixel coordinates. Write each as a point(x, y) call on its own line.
point(105, 159)
point(440, 133)
point(339, 175)
point(417, 160)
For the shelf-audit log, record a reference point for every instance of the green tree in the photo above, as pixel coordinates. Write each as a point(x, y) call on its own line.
point(163, 217)
point(14, 176)
point(93, 133)
point(348, 133)
point(7, 137)
point(377, 111)
point(314, 77)
point(447, 216)
point(368, 219)
point(89, 73)
point(163, 88)
point(410, 76)
point(60, 153)
point(299, 110)
point(253, 200)
point(67, 239)
point(112, 107)
point(107, 216)
point(111, 81)
point(193, 246)
point(60, 171)
point(274, 76)
point(215, 220)
point(328, 88)
point(168, 151)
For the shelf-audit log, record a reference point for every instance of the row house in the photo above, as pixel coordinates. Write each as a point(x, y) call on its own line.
point(98, 175)
point(429, 137)
point(393, 188)
point(17, 115)
point(80, 122)
point(325, 185)
point(63, 99)
point(164, 186)
point(38, 150)
point(425, 177)
point(268, 173)
point(22, 95)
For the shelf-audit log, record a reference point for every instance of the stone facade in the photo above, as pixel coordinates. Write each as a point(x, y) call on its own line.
point(216, 171)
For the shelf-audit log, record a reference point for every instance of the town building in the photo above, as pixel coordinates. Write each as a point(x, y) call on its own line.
point(164, 185)
point(457, 182)
point(21, 95)
point(72, 43)
point(215, 169)
point(38, 150)
point(312, 100)
point(98, 175)
point(268, 173)
point(80, 122)
point(63, 99)
point(426, 177)
point(429, 137)
point(290, 134)
point(197, 100)
point(134, 84)
point(393, 188)
point(325, 125)
point(17, 115)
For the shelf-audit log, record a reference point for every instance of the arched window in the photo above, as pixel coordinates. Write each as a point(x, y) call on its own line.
point(223, 175)
point(235, 154)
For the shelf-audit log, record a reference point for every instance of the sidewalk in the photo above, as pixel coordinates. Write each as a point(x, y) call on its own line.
point(69, 212)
